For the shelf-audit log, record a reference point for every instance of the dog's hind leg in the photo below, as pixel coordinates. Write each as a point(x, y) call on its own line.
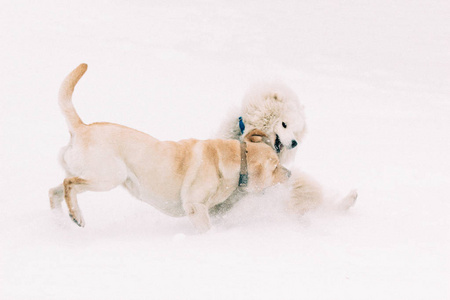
point(56, 196)
point(73, 186)
point(76, 185)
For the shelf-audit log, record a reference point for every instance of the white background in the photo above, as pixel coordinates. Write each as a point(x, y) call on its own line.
point(375, 81)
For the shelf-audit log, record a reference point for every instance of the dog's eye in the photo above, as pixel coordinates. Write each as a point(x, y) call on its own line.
point(284, 125)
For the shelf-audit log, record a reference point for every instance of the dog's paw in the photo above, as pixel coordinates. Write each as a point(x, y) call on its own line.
point(202, 225)
point(199, 216)
point(349, 200)
point(203, 228)
point(78, 219)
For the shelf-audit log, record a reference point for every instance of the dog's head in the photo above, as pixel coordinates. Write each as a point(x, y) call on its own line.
point(264, 168)
point(276, 110)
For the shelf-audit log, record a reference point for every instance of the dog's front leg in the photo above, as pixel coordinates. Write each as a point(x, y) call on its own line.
point(306, 194)
point(198, 215)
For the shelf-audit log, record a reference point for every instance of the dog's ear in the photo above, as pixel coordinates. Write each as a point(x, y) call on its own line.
point(257, 136)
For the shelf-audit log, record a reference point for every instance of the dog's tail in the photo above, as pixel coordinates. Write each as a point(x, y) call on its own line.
point(65, 98)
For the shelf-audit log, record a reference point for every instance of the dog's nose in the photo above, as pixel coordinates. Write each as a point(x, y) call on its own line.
point(294, 143)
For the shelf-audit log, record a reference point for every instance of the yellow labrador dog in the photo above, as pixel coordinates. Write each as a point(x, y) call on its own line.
point(179, 178)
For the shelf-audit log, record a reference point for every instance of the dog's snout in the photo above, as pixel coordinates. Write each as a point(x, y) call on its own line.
point(294, 143)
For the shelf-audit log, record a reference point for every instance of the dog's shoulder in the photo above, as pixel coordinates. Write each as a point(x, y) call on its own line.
point(183, 152)
point(222, 149)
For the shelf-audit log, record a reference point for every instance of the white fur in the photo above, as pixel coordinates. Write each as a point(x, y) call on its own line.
point(267, 107)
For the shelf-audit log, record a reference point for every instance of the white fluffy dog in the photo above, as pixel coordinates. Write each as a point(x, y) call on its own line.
point(275, 109)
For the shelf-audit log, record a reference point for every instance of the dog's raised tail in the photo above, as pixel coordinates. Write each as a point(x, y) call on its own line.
point(65, 97)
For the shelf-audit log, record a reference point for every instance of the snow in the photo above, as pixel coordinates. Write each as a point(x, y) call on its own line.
point(375, 81)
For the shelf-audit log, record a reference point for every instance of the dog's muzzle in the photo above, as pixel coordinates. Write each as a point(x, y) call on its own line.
point(279, 145)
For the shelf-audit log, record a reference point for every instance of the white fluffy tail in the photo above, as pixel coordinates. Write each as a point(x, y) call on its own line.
point(65, 98)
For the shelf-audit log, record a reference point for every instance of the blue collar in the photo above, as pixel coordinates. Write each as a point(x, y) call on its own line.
point(241, 125)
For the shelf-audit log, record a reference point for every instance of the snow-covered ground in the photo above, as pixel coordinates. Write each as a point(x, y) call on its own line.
point(374, 78)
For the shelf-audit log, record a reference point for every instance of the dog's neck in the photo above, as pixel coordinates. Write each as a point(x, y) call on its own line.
point(243, 174)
